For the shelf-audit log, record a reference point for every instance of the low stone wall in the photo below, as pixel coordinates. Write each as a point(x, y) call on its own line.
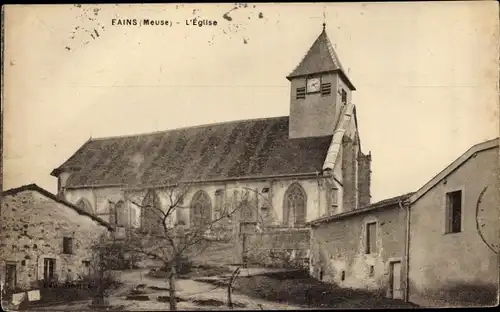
point(277, 247)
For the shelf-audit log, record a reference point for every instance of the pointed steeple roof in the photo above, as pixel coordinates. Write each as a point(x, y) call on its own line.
point(320, 58)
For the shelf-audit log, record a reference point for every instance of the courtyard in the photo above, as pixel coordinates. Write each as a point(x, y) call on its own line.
point(253, 289)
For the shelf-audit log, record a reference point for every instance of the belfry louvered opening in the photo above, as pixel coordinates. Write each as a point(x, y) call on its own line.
point(326, 88)
point(300, 93)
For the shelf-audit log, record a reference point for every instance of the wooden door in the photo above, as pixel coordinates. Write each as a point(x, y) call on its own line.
point(396, 289)
point(49, 267)
point(10, 276)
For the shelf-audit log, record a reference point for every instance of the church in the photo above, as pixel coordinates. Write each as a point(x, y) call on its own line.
point(287, 171)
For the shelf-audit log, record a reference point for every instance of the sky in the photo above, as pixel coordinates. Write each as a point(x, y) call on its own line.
point(426, 76)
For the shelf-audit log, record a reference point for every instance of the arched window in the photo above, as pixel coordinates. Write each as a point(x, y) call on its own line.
point(85, 205)
point(201, 209)
point(112, 213)
point(219, 204)
point(133, 217)
point(151, 216)
point(121, 214)
point(294, 206)
point(247, 206)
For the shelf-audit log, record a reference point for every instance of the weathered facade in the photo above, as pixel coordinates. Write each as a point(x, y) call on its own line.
point(454, 233)
point(277, 172)
point(363, 249)
point(44, 237)
point(436, 247)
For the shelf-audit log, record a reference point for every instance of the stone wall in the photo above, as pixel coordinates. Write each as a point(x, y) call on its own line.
point(364, 179)
point(267, 196)
point(339, 255)
point(265, 202)
point(349, 174)
point(33, 227)
point(276, 247)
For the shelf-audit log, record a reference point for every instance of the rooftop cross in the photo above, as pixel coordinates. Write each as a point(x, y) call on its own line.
point(324, 19)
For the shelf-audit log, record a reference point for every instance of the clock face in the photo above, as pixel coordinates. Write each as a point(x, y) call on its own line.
point(313, 85)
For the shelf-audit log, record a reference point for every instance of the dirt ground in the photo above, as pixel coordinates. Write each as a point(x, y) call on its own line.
point(299, 289)
point(152, 295)
point(264, 290)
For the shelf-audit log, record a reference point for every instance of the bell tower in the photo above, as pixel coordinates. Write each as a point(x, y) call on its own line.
point(319, 88)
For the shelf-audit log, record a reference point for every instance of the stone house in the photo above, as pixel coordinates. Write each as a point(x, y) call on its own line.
point(436, 247)
point(279, 172)
point(362, 248)
point(454, 237)
point(44, 237)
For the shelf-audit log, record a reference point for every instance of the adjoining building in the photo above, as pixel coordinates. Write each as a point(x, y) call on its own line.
point(454, 232)
point(363, 248)
point(45, 238)
point(436, 247)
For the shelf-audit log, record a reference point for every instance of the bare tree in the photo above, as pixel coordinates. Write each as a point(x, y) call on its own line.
point(161, 239)
point(171, 243)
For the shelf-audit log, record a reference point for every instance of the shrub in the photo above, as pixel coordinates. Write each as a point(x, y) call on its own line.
point(102, 285)
point(184, 266)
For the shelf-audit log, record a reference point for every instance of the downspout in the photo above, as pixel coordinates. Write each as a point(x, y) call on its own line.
point(407, 251)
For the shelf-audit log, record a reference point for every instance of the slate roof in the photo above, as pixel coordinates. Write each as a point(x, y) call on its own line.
point(386, 203)
point(36, 188)
point(321, 57)
point(232, 150)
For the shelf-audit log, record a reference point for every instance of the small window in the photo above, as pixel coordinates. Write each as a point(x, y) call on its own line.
point(326, 88)
point(332, 201)
point(372, 271)
point(454, 212)
point(86, 263)
point(343, 96)
point(371, 236)
point(334, 197)
point(68, 245)
point(300, 93)
point(342, 276)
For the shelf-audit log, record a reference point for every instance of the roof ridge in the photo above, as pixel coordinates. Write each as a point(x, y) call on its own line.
point(384, 201)
point(368, 208)
point(307, 53)
point(185, 128)
point(333, 54)
point(41, 190)
point(454, 165)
